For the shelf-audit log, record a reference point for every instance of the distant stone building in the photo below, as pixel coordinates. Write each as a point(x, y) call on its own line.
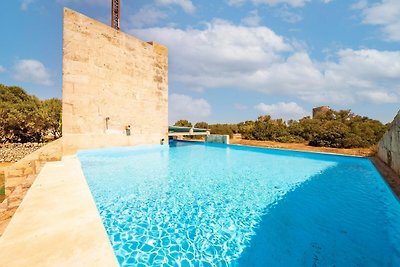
point(318, 110)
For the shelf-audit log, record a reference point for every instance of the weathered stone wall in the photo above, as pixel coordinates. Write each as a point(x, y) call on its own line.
point(389, 146)
point(110, 74)
point(20, 176)
point(217, 139)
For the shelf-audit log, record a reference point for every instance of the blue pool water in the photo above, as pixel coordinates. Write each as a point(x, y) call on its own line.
point(192, 204)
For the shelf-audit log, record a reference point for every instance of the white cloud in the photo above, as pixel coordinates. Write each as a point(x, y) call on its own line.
point(361, 4)
point(293, 3)
point(2, 69)
point(33, 71)
point(185, 107)
point(147, 15)
point(252, 20)
point(385, 14)
point(380, 97)
point(287, 15)
point(224, 55)
point(290, 110)
point(186, 5)
point(219, 50)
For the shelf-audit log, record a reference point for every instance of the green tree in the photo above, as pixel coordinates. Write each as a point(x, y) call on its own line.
point(20, 118)
point(228, 129)
point(341, 129)
point(333, 133)
point(246, 129)
point(267, 129)
point(201, 125)
point(24, 118)
point(183, 123)
point(51, 114)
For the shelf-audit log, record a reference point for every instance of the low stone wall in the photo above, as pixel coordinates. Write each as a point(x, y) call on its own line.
point(20, 176)
point(389, 146)
point(217, 139)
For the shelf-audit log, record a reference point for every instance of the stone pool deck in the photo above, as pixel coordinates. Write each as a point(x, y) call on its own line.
point(57, 223)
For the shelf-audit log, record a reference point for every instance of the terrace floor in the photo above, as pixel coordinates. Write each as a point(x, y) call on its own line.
point(57, 223)
point(363, 152)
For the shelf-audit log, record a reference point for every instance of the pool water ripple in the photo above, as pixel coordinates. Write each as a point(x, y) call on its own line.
point(193, 205)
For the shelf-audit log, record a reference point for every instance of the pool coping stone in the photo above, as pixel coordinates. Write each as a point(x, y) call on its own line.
point(57, 223)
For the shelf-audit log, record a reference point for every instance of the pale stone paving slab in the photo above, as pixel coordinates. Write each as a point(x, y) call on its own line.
point(57, 223)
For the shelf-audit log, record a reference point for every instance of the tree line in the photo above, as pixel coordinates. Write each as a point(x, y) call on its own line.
point(25, 118)
point(338, 129)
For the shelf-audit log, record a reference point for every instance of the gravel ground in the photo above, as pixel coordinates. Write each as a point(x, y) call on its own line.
point(14, 152)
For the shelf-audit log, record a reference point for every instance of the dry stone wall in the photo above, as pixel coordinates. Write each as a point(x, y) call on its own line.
point(389, 146)
point(111, 80)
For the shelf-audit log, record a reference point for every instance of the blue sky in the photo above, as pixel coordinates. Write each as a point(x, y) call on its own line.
point(231, 60)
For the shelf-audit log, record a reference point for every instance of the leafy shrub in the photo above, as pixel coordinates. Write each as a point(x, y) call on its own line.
point(25, 118)
point(340, 129)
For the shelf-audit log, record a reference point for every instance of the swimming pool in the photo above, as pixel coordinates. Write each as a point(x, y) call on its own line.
point(191, 204)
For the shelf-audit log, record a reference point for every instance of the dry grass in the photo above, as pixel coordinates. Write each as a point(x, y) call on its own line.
point(365, 152)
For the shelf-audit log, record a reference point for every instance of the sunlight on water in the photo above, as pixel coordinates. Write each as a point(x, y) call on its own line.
point(192, 204)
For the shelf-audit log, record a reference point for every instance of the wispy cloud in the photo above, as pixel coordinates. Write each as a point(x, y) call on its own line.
point(287, 15)
point(147, 15)
point(25, 4)
point(186, 107)
point(186, 5)
point(282, 110)
point(385, 14)
point(252, 20)
point(33, 71)
point(2, 69)
point(380, 97)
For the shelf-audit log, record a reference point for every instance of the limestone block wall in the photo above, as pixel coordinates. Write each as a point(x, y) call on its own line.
point(111, 80)
point(20, 176)
point(389, 146)
point(217, 139)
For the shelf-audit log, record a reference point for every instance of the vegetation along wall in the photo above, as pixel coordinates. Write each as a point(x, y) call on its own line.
point(115, 87)
point(389, 145)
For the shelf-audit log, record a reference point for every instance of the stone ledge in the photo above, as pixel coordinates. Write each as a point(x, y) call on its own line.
point(57, 223)
point(19, 177)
